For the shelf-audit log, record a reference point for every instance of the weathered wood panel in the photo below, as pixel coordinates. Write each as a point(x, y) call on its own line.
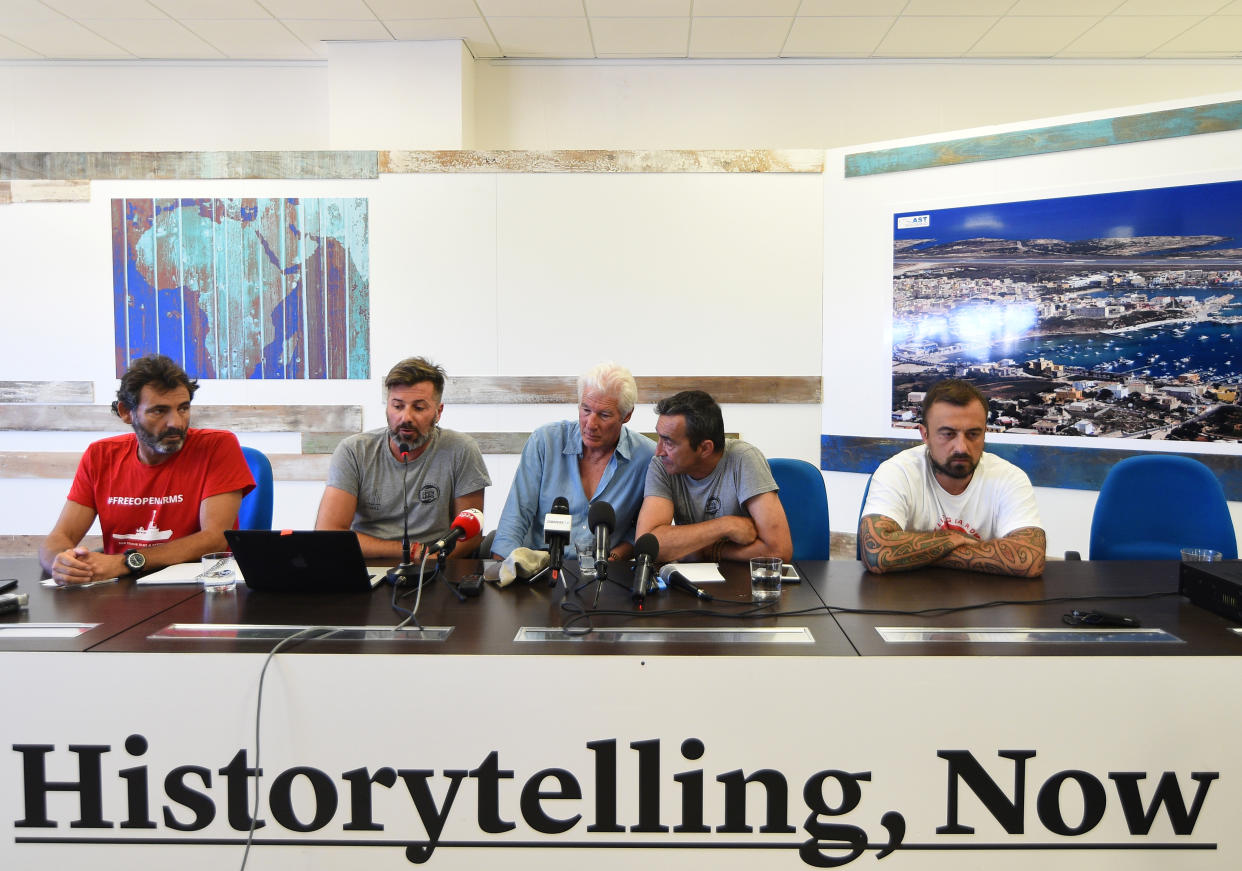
point(526, 390)
point(28, 545)
point(1168, 124)
point(49, 191)
point(74, 165)
point(598, 160)
point(1067, 468)
point(47, 391)
point(238, 418)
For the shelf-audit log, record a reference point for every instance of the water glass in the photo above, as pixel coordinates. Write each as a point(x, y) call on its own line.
point(1200, 555)
point(765, 578)
point(586, 559)
point(219, 573)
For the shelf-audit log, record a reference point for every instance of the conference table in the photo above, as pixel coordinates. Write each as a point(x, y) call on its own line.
point(530, 728)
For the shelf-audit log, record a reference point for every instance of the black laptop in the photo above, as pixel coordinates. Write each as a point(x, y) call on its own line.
point(301, 561)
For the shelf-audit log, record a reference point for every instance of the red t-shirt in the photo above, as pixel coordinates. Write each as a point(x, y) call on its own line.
point(140, 505)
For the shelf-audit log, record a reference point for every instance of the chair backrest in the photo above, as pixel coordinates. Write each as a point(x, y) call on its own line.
point(805, 500)
point(861, 506)
point(1152, 506)
point(256, 507)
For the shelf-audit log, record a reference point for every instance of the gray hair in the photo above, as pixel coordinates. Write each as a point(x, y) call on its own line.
point(612, 380)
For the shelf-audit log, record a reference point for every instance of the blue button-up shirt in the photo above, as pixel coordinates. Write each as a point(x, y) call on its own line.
point(549, 468)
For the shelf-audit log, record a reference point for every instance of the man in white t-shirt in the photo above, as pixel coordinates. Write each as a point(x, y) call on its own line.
point(947, 503)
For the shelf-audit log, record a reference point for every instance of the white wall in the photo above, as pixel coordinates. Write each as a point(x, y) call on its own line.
point(858, 260)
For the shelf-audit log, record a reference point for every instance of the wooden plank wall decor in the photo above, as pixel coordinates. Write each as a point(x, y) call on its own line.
point(239, 418)
point(527, 390)
point(1169, 124)
point(243, 288)
point(44, 192)
point(187, 164)
point(1081, 468)
point(681, 160)
point(47, 391)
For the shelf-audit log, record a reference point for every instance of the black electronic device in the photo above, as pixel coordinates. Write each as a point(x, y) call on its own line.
point(301, 561)
point(1214, 586)
point(471, 585)
point(8, 584)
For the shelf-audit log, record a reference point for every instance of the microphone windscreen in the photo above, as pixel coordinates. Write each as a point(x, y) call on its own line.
point(647, 545)
point(471, 522)
point(601, 514)
point(403, 447)
point(560, 505)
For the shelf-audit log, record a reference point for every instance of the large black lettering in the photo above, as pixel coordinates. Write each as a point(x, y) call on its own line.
point(776, 790)
point(827, 836)
point(648, 786)
point(605, 786)
point(280, 799)
point(432, 818)
point(1048, 803)
point(88, 786)
point(176, 789)
point(691, 790)
point(137, 792)
point(238, 776)
point(533, 796)
point(360, 814)
point(489, 775)
point(1168, 795)
point(964, 766)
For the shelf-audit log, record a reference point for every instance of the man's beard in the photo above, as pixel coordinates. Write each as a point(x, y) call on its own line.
point(965, 467)
point(413, 441)
point(167, 443)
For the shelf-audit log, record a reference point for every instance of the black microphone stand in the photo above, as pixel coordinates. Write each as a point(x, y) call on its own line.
point(406, 569)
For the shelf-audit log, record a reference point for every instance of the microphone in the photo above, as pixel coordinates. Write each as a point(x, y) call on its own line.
point(468, 524)
point(601, 518)
point(647, 549)
point(671, 575)
point(406, 569)
point(557, 525)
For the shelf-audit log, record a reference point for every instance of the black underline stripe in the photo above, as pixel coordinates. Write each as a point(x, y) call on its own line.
point(596, 845)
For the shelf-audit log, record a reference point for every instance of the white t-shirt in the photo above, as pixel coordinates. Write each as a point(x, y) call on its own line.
point(998, 500)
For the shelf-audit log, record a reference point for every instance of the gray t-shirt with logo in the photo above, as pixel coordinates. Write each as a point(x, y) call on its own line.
point(741, 474)
point(449, 468)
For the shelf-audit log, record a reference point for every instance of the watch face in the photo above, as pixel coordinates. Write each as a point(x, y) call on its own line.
point(135, 560)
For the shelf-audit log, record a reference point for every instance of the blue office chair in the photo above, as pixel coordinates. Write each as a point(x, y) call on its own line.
point(256, 507)
point(1152, 506)
point(861, 506)
point(805, 500)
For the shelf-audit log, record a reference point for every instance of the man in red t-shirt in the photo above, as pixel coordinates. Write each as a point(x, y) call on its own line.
point(163, 495)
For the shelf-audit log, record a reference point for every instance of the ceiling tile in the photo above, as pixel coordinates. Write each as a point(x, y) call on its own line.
point(641, 37)
point(929, 36)
point(10, 50)
point(410, 9)
point(316, 32)
point(744, 8)
point(738, 37)
point(531, 8)
point(330, 10)
point(252, 40)
point(1234, 8)
point(1063, 7)
point(60, 39)
point(28, 10)
point(165, 39)
point(956, 7)
point(131, 9)
point(478, 38)
point(1216, 34)
point(1030, 37)
point(852, 8)
point(1168, 7)
point(835, 37)
point(1131, 36)
point(218, 9)
point(638, 8)
point(542, 37)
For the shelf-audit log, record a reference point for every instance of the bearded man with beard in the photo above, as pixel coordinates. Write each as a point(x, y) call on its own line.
point(164, 493)
point(444, 471)
point(947, 503)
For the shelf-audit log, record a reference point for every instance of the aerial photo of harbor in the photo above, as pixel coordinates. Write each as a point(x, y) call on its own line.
point(1106, 315)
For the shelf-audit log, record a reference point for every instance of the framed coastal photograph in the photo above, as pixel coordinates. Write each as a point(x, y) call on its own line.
point(1106, 315)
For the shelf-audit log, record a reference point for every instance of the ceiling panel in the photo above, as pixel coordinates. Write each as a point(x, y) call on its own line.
point(148, 39)
point(478, 38)
point(408, 9)
point(1131, 36)
point(122, 9)
point(641, 37)
point(1030, 37)
point(61, 38)
point(929, 36)
point(220, 9)
point(836, 37)
point(852, 8)
point(254, 40)
point(744, 8)
point(638, 8)
point(331, 10)
point(738, 37)
point(1220, 33)
point(313, 32)
point(542, 37)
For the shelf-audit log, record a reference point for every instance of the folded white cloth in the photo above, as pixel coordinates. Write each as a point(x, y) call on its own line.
point(522, 563)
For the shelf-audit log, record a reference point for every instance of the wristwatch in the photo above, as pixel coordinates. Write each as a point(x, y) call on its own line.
point(135, 560)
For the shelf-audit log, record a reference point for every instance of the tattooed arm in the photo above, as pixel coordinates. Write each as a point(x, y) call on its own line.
point(886, 547)
point(1020, 553)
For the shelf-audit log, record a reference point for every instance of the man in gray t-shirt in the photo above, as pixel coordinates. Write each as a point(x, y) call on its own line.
point(706, 497)
point(444, 472)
